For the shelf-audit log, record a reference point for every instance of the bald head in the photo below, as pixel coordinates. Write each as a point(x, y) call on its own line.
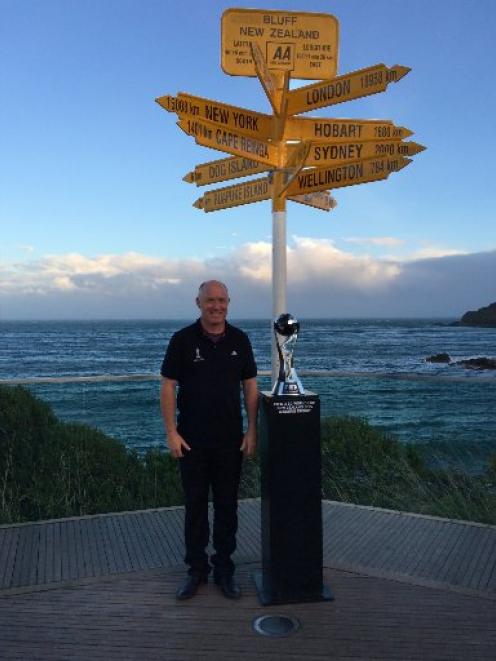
point(213, 301)
point(205, 286)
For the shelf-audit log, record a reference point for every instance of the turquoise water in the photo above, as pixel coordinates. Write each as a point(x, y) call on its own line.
point(379, 374)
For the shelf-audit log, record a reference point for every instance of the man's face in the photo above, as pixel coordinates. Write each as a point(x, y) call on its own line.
point(213, 303)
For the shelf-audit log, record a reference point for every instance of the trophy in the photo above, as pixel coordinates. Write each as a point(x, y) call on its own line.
point(286, 330)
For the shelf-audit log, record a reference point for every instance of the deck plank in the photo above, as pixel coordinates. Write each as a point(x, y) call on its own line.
point(170, 548)
point(22, 570)
point(162, 548)
point(174, 543)
point(454, 571)
point(56, 562)
point(422, 543)
point(135, 616)
point(115, 542)
point(380, 542)
point(8, 554)
point(149, 539)
point(488, 569)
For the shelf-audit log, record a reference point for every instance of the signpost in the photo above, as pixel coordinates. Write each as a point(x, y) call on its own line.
point(274, 86)
point(307, 156)
point(321, 200)
point(306, 159)
point(350, 174)
point(328, 153)
point(325, 129)
point(233, 196)
point(344, 88)
point(223, 170)
point(297, 158)
point(215, 136)
point(304, 44)
point(251, 123)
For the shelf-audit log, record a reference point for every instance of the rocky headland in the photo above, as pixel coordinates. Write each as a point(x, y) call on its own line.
point(479, 363)
point(482, 317)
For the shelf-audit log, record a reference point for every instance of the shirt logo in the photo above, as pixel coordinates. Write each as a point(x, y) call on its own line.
point(198, 358)
point(234, 352)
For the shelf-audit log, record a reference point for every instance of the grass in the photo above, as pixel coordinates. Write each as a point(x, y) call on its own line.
point(51, 469)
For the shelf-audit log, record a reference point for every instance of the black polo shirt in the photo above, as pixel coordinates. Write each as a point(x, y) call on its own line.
point(209, 376)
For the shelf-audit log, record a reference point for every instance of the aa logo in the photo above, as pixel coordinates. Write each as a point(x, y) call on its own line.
point(280, 56)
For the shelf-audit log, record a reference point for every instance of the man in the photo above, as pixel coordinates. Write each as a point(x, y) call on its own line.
point(208, 361)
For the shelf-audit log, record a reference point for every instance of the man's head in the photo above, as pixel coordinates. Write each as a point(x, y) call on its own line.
point(213, 301)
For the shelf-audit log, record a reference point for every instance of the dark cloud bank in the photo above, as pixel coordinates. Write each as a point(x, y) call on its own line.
point(436, 287)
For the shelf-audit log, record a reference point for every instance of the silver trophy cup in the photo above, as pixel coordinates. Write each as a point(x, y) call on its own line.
point(286, 330)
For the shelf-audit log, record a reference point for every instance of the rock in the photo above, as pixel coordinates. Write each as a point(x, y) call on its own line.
point(481, 317)
point(439, 358)
point(481, 363)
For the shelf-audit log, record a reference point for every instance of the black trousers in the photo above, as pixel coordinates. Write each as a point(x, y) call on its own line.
point(219, 468)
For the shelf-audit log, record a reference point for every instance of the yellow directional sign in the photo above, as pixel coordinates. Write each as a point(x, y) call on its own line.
point(302, 43)
point(320, 200)
point(245, 121)
point(344, 88)
point(255, 190)
point(295, 160)
point(329, 153)
point(343, 130)
point(224, 169)
point(269, 82)
point(210, 134)
point(170, 104)
point(338, 176)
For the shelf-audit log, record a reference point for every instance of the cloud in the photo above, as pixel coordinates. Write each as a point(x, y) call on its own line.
point(389, 241)
point(429, 251)
point(322, 281)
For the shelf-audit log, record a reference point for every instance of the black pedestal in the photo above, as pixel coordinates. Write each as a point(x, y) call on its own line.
point(291, 514)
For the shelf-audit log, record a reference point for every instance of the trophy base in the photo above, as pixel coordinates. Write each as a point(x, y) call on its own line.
point(290, 386)
point(287, 388)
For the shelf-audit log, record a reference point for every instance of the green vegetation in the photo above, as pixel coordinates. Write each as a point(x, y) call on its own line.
point(51, 469)
point(362, 464)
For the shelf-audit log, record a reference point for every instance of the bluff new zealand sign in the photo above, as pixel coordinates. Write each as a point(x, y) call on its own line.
point(301, 43)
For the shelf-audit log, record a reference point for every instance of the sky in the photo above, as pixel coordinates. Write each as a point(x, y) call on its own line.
point(96, 222)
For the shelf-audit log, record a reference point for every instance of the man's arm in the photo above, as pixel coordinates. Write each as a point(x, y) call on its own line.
point(175, 441)
point(250, 392)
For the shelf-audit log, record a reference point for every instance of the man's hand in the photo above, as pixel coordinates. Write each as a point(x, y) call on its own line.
point(249, 444)
point(176, 444)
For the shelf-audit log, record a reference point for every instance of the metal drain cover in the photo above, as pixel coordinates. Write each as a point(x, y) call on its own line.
point(275, 625)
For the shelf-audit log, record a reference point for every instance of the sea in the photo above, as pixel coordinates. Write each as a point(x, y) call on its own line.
point(106, 374)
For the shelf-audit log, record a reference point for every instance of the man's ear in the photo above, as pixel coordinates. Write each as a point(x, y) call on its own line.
point(197, 301)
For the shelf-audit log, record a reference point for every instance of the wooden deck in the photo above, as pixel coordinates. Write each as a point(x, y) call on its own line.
point(455, 555)
point(102, 587)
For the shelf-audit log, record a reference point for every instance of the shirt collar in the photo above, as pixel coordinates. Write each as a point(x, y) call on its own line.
point(200, 332)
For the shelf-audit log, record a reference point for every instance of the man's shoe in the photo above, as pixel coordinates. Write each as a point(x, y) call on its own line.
point(228, 587)
point(190, 587)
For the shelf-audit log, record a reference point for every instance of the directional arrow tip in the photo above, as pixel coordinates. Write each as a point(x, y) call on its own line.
point(401, 71)
point(405, 162)
point(199, 203)
point(165, 102)
point(189, 177)
point(182, 127)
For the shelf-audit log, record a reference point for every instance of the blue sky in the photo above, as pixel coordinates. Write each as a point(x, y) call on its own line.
point(96, 220)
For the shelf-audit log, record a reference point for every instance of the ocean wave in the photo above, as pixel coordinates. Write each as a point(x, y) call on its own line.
point(113, 378)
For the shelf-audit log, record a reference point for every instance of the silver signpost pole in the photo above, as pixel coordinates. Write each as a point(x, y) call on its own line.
point(279, 271)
